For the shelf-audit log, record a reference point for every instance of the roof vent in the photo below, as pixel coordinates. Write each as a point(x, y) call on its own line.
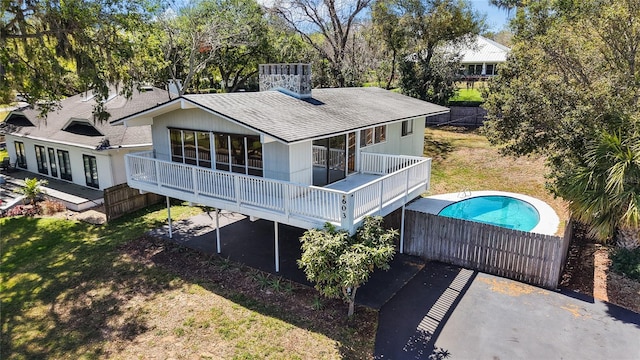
point(291, 79)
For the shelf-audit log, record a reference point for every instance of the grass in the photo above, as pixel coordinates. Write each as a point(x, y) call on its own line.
point(467, 95)
point(70, 290)
point(464, 160)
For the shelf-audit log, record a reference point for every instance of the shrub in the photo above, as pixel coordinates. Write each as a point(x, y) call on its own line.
point(24, 210)
point(52, 206)
point(32, 189)
point(626, 262)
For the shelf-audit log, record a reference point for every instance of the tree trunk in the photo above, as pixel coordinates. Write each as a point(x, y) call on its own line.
point(393, 70)
point(352, 301)
point(628, 238)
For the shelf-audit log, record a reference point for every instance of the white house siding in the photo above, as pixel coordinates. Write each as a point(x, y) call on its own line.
point(275, 160)
point(396, 144)
point(111, 170)
point(189, 119)
point(301, 163)
point(118, 166)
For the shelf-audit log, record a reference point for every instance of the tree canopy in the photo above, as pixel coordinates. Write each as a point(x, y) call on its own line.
point(45, 44)
point(339, 264)
point(426, 33)
point(570, 86)
point(333, 21)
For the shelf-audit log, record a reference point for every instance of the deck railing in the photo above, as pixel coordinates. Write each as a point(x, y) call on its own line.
point(401, 175)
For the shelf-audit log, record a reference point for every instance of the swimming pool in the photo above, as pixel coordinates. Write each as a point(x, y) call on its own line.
point(499, 210)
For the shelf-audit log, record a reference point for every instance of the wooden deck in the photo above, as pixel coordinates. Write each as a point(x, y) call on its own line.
point(384, 183)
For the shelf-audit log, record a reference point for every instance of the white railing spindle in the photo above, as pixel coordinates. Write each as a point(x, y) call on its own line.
point(400, 176)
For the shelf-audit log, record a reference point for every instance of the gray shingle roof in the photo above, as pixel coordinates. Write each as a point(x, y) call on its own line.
point(329, 111)
point(51, 127)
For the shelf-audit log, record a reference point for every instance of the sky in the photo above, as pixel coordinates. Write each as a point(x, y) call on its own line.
point(496, 18)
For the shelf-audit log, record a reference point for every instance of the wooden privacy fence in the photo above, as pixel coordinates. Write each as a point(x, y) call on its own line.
point(528, 257)
point(121, 199)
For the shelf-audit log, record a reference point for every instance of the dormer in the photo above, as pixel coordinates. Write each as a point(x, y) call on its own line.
point(81, 127)
point(291, 79)
point(18, 119)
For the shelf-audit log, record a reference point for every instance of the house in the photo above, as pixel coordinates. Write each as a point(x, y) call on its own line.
point(69, 145)
point(482, 59)
point(287, 154)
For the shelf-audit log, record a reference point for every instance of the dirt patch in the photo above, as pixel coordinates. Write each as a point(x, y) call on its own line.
point(587, 272)
point(177, 326)
point(95, 216)
point(510, 288)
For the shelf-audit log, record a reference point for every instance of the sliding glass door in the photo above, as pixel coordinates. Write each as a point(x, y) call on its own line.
point(333, 158)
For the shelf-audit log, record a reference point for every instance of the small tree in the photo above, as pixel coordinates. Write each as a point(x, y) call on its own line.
point(339, 264)
point(32, 189)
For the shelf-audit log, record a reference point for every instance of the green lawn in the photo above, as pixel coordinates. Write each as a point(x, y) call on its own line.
point(467, 95)
point(71, 290)
point(464, 160)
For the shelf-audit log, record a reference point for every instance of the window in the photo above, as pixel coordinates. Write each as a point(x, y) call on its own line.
point(232, 152)
point(204, 149)
point(91, 170)
point(490, 69)
point(380, 134)
point(176, 145)
point(407, 127)
point(238, 154)
point(222, 152)
point(52, 162)
point(254, 156)
point(374, 135)
point(65, 165)
point(21, 158)
point(41, 160)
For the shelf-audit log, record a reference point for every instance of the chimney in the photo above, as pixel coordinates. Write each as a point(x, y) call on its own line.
point(291, 79)
point(175, 86)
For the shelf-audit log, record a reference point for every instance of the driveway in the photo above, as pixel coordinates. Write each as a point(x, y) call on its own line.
point(446, 310)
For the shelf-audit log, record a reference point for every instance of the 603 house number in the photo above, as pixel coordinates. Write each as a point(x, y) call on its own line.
point(344, 206)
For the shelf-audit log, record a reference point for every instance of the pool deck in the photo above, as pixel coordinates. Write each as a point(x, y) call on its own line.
point(549, 220)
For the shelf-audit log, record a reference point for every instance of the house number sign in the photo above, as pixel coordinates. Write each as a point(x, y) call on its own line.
point(344, 206)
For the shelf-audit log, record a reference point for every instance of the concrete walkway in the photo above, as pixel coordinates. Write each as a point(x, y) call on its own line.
point(252, 243)
point(470, 315)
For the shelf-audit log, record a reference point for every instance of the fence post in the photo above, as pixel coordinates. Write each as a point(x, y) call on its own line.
point(236, 185)
point(285, 194)
point(347, 211)
point(194, 175)
point(157, 165)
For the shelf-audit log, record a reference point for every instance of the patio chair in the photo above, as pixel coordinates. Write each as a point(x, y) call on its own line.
point(6, 165)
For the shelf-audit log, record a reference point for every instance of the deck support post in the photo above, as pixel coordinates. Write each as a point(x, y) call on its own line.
point(169, 217)
point(277, 249)
point(218, 231)
point(402, 231)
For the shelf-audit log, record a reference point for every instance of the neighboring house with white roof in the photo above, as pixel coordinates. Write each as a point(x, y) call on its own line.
point(287, 154)
point(69, 145)
point(483, 58)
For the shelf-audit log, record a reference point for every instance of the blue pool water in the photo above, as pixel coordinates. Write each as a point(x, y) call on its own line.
point(496, 210)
